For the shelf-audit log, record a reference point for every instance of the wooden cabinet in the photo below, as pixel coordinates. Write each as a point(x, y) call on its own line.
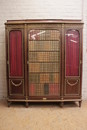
point(44, 60)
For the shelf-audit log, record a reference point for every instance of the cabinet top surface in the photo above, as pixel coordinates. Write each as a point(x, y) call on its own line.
point(26, 21)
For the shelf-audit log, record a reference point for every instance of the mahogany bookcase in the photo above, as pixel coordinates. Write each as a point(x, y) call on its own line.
point(44, 60)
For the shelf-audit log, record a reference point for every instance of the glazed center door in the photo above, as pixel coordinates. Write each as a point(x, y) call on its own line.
point(44, 63)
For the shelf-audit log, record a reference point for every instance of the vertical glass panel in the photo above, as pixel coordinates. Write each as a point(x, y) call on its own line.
point(15, 53)
point(72, 53)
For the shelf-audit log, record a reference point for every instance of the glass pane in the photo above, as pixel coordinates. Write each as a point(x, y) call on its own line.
point(44, 62)
point(72, 53)
point(15, 53)
point(44, 35)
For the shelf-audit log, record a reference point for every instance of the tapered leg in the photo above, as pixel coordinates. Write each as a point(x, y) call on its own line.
point(61, 104)
point(26, 104)
point(80, 103)
point(9, 103)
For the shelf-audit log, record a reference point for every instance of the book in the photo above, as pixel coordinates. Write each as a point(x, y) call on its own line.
point(32, 89)
point(46, 88)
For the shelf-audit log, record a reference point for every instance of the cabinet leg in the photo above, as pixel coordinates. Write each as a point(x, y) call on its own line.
point(61, 104)
point(80, 103)
point(26, 104)
point(9, 103)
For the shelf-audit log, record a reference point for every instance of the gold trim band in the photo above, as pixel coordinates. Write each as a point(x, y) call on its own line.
point(16, 85)
point(72, 84)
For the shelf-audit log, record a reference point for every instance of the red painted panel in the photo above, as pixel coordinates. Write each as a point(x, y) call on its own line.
point(72, 53)
point(15, 53)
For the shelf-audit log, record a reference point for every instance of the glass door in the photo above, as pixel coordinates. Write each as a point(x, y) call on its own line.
point(44, 62)
point(72, 62)
point(16, 63)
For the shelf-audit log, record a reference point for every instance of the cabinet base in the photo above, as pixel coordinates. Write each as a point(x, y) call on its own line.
point(61, 101)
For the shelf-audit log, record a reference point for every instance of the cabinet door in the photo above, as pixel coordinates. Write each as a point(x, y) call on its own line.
point(72, 62)
point(72, 52)
point(16, 63)
point(15, 54)
point(44, 58)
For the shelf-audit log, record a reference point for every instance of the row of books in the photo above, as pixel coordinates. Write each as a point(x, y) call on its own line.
point(44, 89)
point(44, 78)
point(44, 45)
point(44, 67)
point(43, 56)
point(44, 35)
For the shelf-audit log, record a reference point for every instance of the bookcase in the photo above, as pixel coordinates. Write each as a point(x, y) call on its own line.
point(44, 61)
